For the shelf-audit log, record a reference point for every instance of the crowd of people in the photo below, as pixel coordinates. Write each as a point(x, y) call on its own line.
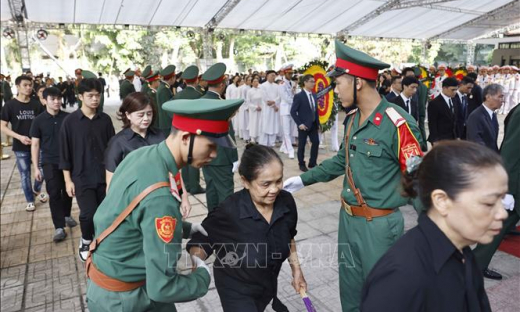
point(132, 187)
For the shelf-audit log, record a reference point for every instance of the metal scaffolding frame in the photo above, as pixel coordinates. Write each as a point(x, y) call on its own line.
point(494, 14)
point(19, 14)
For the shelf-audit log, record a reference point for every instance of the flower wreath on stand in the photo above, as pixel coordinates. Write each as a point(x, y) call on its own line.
point(327, 99)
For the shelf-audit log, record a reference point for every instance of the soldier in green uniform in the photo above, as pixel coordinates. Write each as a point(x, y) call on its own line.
point(164, 94)
point(127, 85)
point(139, 227)
point(146, 72)
point(510, 152)
point(219, 173)
point(191, 175)
point(154, 81)
point(380, 137)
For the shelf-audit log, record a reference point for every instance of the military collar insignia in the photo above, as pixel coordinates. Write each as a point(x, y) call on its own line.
point(378, 117)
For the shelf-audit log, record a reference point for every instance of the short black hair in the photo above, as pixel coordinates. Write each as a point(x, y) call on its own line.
point(89, 84)
point(394, 78)
point(19, 79)
point(307, 77)
point(407, 69)
point(450, 82)
point(409, 80)
point(42, 86)
point(465, 80)
point(472, 76)
point(256, 156)
point(52, 91)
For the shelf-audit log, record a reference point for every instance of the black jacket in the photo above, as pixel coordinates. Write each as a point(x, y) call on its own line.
point(441, 121)
point(301, 110)
point(250, 252)
point(398, 100)
point(480, 129)
point(474, 99)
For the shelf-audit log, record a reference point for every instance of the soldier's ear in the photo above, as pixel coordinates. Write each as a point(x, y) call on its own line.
point(185, 137)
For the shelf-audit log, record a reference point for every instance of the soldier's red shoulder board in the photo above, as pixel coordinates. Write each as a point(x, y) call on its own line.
point(408, 145)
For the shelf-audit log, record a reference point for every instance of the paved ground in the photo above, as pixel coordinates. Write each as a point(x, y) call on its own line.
point(39, 275)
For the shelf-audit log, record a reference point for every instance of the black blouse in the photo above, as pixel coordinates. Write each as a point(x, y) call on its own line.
point(424, 271)
point(127, 141)
point(250, 251)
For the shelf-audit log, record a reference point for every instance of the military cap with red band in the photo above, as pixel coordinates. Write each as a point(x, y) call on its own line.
point(190, 74)
point(153, 76)
point(207, 117)
point(168, 72)
point(215, 74)
point(355, 63)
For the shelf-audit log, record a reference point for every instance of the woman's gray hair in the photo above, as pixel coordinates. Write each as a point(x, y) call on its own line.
point(492, 90)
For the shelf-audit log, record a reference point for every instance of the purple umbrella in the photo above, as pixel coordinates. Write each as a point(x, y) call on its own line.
point(307, 301)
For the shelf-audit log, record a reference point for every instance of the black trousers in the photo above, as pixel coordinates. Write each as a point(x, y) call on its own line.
point(59, 200)
point(312, 134)
point(88, 201)
point(233, 301)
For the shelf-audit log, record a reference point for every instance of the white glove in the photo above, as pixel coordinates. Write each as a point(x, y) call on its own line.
point(293, 184)
point(509, 202)
point(199, 263)
point(197, 227)
point(235, 167)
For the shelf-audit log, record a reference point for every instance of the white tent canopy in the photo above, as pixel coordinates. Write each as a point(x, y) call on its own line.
point(409, 19)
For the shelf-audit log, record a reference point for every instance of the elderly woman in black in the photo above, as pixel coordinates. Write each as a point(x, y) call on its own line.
point(432, 268)
point(252, 234)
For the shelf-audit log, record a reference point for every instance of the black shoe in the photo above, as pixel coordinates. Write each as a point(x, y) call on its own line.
point(488, 273)
point(303, 168)
point(201, 190)
point(310, 167)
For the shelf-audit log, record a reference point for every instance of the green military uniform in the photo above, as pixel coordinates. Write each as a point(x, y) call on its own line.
point(376, 160)
point(152, 94)
point(219, 173)
point(190, 175)
point(422, 94)
point(147, 244)
point(126, 86)
point(145, 86)
point(510, 152)
point(164, 94)
point(88, 75)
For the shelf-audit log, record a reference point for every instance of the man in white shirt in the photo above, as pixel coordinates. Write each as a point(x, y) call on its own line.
point(138, 85)
point(286, 95)
point(441, 75)
point(270, 119)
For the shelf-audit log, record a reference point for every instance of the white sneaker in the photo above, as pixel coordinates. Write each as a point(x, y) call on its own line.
point(83, 250)
point(291, 155)
point(30, 207)
point(42, 197)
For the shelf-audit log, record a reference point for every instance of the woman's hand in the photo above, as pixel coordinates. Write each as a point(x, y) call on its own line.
point(298, 281)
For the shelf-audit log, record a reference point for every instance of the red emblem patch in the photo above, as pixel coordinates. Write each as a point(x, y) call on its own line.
point(377, 119)
point(165, 227)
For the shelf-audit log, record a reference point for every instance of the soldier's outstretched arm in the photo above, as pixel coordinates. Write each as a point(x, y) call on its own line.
point(328, 170)
point(162, 227)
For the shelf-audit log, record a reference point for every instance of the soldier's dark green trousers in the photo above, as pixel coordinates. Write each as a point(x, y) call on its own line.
point(219, 184)
point(191, 179)
point(360, 245)
point(484, 253)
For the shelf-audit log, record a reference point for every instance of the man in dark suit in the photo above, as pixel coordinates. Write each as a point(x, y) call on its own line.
point(304, 111)
point(475, 98)
point(482, 124)
point(460, 100)
point(442, 112)
point(510, 152)
point(395, 89)
point(407, 99)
